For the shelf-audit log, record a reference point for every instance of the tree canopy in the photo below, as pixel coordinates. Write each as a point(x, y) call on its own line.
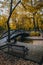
point(24, 15)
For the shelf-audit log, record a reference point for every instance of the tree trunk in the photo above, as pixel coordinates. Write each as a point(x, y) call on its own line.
point(11, 11)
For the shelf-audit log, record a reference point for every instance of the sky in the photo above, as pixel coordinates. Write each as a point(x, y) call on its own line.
point(3, 9)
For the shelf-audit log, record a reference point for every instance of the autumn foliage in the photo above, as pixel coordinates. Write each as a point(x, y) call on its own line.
point(23, 18)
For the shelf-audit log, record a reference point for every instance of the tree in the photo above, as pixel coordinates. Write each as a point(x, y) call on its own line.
point(23, 10)
point(9, 18)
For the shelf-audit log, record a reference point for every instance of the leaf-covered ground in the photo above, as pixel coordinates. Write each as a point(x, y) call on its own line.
point(13, 60)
